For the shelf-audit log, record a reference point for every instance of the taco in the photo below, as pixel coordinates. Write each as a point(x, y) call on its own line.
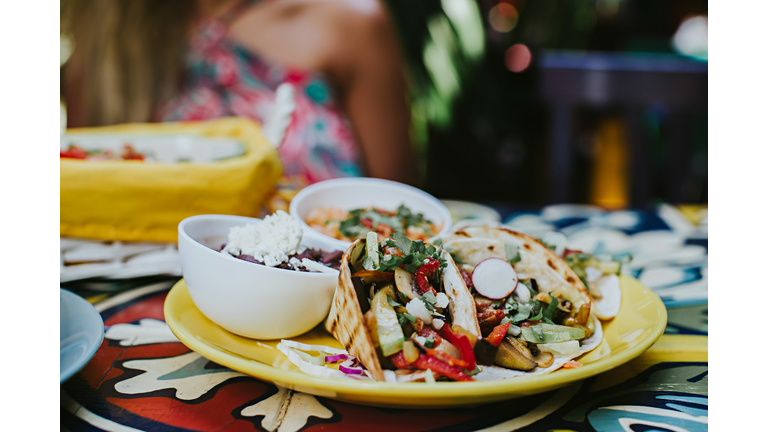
point(534, 312)
point(402, 309)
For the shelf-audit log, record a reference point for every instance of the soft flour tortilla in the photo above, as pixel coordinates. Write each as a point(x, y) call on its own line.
point(490, 373)
point(474, 244)
point(608, 306)
point(346, 321)
point(462, 305)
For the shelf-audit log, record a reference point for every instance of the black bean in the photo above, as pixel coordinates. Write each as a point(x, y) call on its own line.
point(330, 257)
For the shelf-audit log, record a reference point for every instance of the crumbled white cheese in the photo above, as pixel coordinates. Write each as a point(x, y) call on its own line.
point(316, 266)
point(310, 265)
point(270, 241)
point(416, 308)
point(442, 300)
point(437, 323)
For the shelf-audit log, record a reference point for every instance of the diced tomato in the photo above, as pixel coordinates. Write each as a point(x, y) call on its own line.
point(367, 223)
point(425, 362)
point(427, 331)
point(424, 272)
point(462, 343)
point(489, 319)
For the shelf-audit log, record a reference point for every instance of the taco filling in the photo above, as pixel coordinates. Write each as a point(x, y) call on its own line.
point(391, 311)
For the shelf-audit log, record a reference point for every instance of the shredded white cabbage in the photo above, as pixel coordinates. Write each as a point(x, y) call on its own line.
point(319, 348)
point(309, 364)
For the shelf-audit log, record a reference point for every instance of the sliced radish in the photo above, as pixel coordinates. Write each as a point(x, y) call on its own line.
point(494, 278)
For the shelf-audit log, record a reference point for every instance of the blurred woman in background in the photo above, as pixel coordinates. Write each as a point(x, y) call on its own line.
point(172, 60)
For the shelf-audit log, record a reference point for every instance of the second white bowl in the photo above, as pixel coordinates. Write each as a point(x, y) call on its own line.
point(357, 192)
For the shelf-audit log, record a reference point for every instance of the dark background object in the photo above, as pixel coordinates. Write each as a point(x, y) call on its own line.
point(526, 137)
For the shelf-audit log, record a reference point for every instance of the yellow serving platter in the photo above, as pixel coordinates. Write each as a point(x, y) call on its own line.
point(640, 322)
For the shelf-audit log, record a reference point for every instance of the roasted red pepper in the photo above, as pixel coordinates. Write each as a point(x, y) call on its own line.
point(425, 362)
point(462, 343)
point(427, 331)
point(489, 319)
point(423, 273)
point(498, 333)
point(451, 360)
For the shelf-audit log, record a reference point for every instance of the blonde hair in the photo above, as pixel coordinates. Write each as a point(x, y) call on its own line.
point(129, 54)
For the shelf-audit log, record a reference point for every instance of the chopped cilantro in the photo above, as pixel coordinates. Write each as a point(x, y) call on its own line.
point(409, 218)
point(402, 318)
point(414, 254)
point(549, 312)
point(392, 302)
point(519, 312)
point(497, 303)
point(429, 301)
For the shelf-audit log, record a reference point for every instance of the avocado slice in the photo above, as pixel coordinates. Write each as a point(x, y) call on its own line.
point(550, 333)
point(388, 329)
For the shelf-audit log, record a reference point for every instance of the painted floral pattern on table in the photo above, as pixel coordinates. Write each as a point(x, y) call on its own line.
point(143, 378)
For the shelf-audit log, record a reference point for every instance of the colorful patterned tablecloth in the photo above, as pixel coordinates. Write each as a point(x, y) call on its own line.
point(143, 378)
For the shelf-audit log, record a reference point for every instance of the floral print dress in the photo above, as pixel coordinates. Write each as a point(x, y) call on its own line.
point(225, 79)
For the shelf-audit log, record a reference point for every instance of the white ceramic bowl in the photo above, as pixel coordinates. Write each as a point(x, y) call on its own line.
point(249, 299)
point(356, 192)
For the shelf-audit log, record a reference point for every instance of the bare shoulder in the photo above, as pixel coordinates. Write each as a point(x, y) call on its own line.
point(310, 34)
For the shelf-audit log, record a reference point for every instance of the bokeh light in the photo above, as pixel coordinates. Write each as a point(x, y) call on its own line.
point(503, 17)
point(691, 37)
point(518, 58)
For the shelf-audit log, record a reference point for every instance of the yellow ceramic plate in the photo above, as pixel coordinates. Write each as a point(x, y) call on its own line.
point(640, 322)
